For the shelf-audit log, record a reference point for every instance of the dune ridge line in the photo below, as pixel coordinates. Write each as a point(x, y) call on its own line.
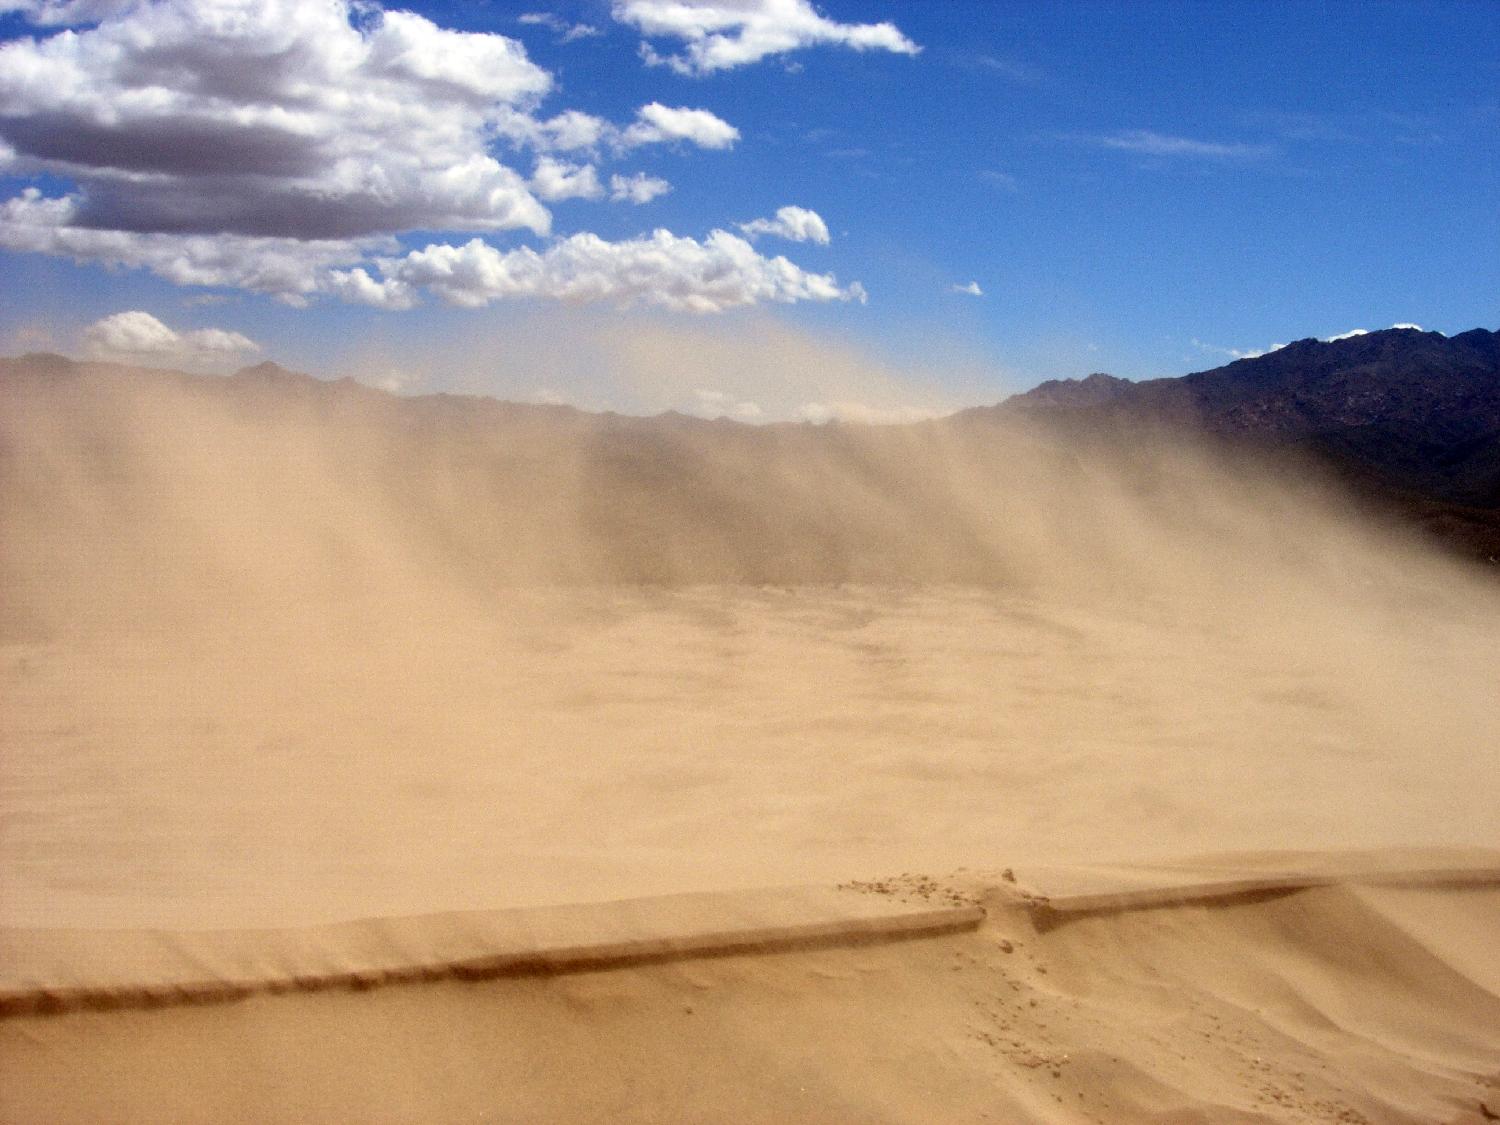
point(49, 971)
point(54, 971)
point(1050, 911)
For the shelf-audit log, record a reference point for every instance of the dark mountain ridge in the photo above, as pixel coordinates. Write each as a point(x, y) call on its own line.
point(1409, 419)
point(1396, 377)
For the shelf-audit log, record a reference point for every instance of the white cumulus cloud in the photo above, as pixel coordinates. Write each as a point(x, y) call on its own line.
point(272, 118)
point(281, 146)
point(723, 271)
point(284, 267)
point(637, 188)
point(796, 224)
point(358, 287)
point(556, 180)
point(972, 289)
point(575, 131)
point(139, 335)
point(572, 130)
point(569, 131)
point(53, 12)
point(656, 124)
point(723, 34)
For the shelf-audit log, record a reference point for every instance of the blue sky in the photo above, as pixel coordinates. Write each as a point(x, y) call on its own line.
point(1145, 189)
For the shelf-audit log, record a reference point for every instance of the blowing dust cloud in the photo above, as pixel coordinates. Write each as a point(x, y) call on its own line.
point(281, 651)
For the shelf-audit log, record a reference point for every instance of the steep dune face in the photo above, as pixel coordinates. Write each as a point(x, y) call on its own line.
point(281, 651)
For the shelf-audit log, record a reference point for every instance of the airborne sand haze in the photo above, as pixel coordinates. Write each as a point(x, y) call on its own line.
point(325, 652)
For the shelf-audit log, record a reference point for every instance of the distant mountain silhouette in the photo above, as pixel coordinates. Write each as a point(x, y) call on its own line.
point(1411, 419)
point(1095, 390)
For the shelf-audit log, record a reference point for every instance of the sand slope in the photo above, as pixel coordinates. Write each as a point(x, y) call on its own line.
point(1343, 1001)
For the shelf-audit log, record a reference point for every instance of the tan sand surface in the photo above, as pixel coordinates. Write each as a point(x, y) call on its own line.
point(603, 744)
point(1348, 1003)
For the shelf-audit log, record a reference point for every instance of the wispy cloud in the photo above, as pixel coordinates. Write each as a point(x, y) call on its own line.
point(1256, 353)
point(861, 413)
point(972, 289)
point(567, 32)
point(1234, 353)
point(1148, 142)
point(1353, 128)
point(1012, 70)
point(1309, 128)
point(1353, 332)
point(720, 404)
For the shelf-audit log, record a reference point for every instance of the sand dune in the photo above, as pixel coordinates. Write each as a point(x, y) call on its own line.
point(1338, 1002)
point(278, 653)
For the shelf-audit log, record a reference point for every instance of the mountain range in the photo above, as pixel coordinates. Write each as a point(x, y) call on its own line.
point(1409, 419)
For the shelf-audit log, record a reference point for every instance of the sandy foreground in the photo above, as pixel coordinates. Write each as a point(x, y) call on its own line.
point(1351, 1002)
point(307, 778)
point(714, 740)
